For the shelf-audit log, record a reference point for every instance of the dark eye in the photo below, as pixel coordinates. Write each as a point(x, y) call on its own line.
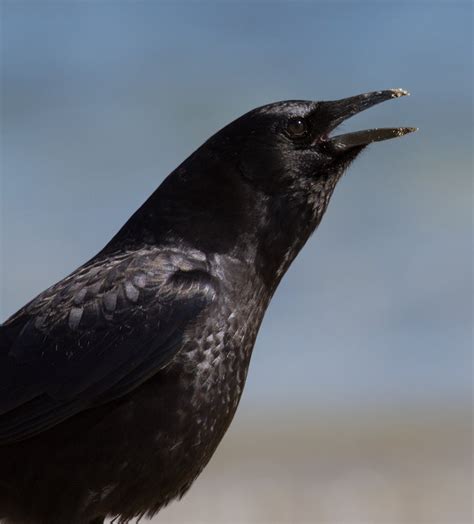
point(297, 128)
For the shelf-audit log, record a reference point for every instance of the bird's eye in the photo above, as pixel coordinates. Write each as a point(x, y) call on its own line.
point(297, 128)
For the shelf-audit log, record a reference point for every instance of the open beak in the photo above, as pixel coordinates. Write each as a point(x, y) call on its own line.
point(341, 110)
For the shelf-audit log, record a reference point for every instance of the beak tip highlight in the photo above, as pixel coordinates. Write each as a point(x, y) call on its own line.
point(406, 130)
point(398, 92)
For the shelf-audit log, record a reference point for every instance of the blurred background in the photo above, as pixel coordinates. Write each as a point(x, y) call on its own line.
point(357, 407)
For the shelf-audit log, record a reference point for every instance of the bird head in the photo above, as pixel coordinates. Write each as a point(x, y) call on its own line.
point(287, 153)
point(286, 149)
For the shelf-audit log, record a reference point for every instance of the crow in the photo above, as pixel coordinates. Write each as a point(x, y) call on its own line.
point(118, 382)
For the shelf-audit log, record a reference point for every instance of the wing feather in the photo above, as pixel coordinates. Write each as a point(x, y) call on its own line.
point(96, 335)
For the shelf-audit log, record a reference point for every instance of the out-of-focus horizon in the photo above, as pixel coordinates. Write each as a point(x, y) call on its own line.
point(101, 100)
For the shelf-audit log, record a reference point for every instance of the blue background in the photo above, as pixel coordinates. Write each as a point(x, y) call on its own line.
point(101, 100)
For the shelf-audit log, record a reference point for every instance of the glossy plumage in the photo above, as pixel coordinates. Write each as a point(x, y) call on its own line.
point(118, 382)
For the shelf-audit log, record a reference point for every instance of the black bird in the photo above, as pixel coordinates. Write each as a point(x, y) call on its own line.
point(118, 382)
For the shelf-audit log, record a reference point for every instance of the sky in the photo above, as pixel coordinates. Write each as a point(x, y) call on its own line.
point(101, 100)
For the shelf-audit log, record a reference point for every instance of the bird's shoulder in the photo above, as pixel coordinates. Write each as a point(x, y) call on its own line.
point(97, 334)
point(134, 284)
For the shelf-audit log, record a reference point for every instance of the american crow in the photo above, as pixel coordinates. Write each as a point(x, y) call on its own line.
point(118, 382)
